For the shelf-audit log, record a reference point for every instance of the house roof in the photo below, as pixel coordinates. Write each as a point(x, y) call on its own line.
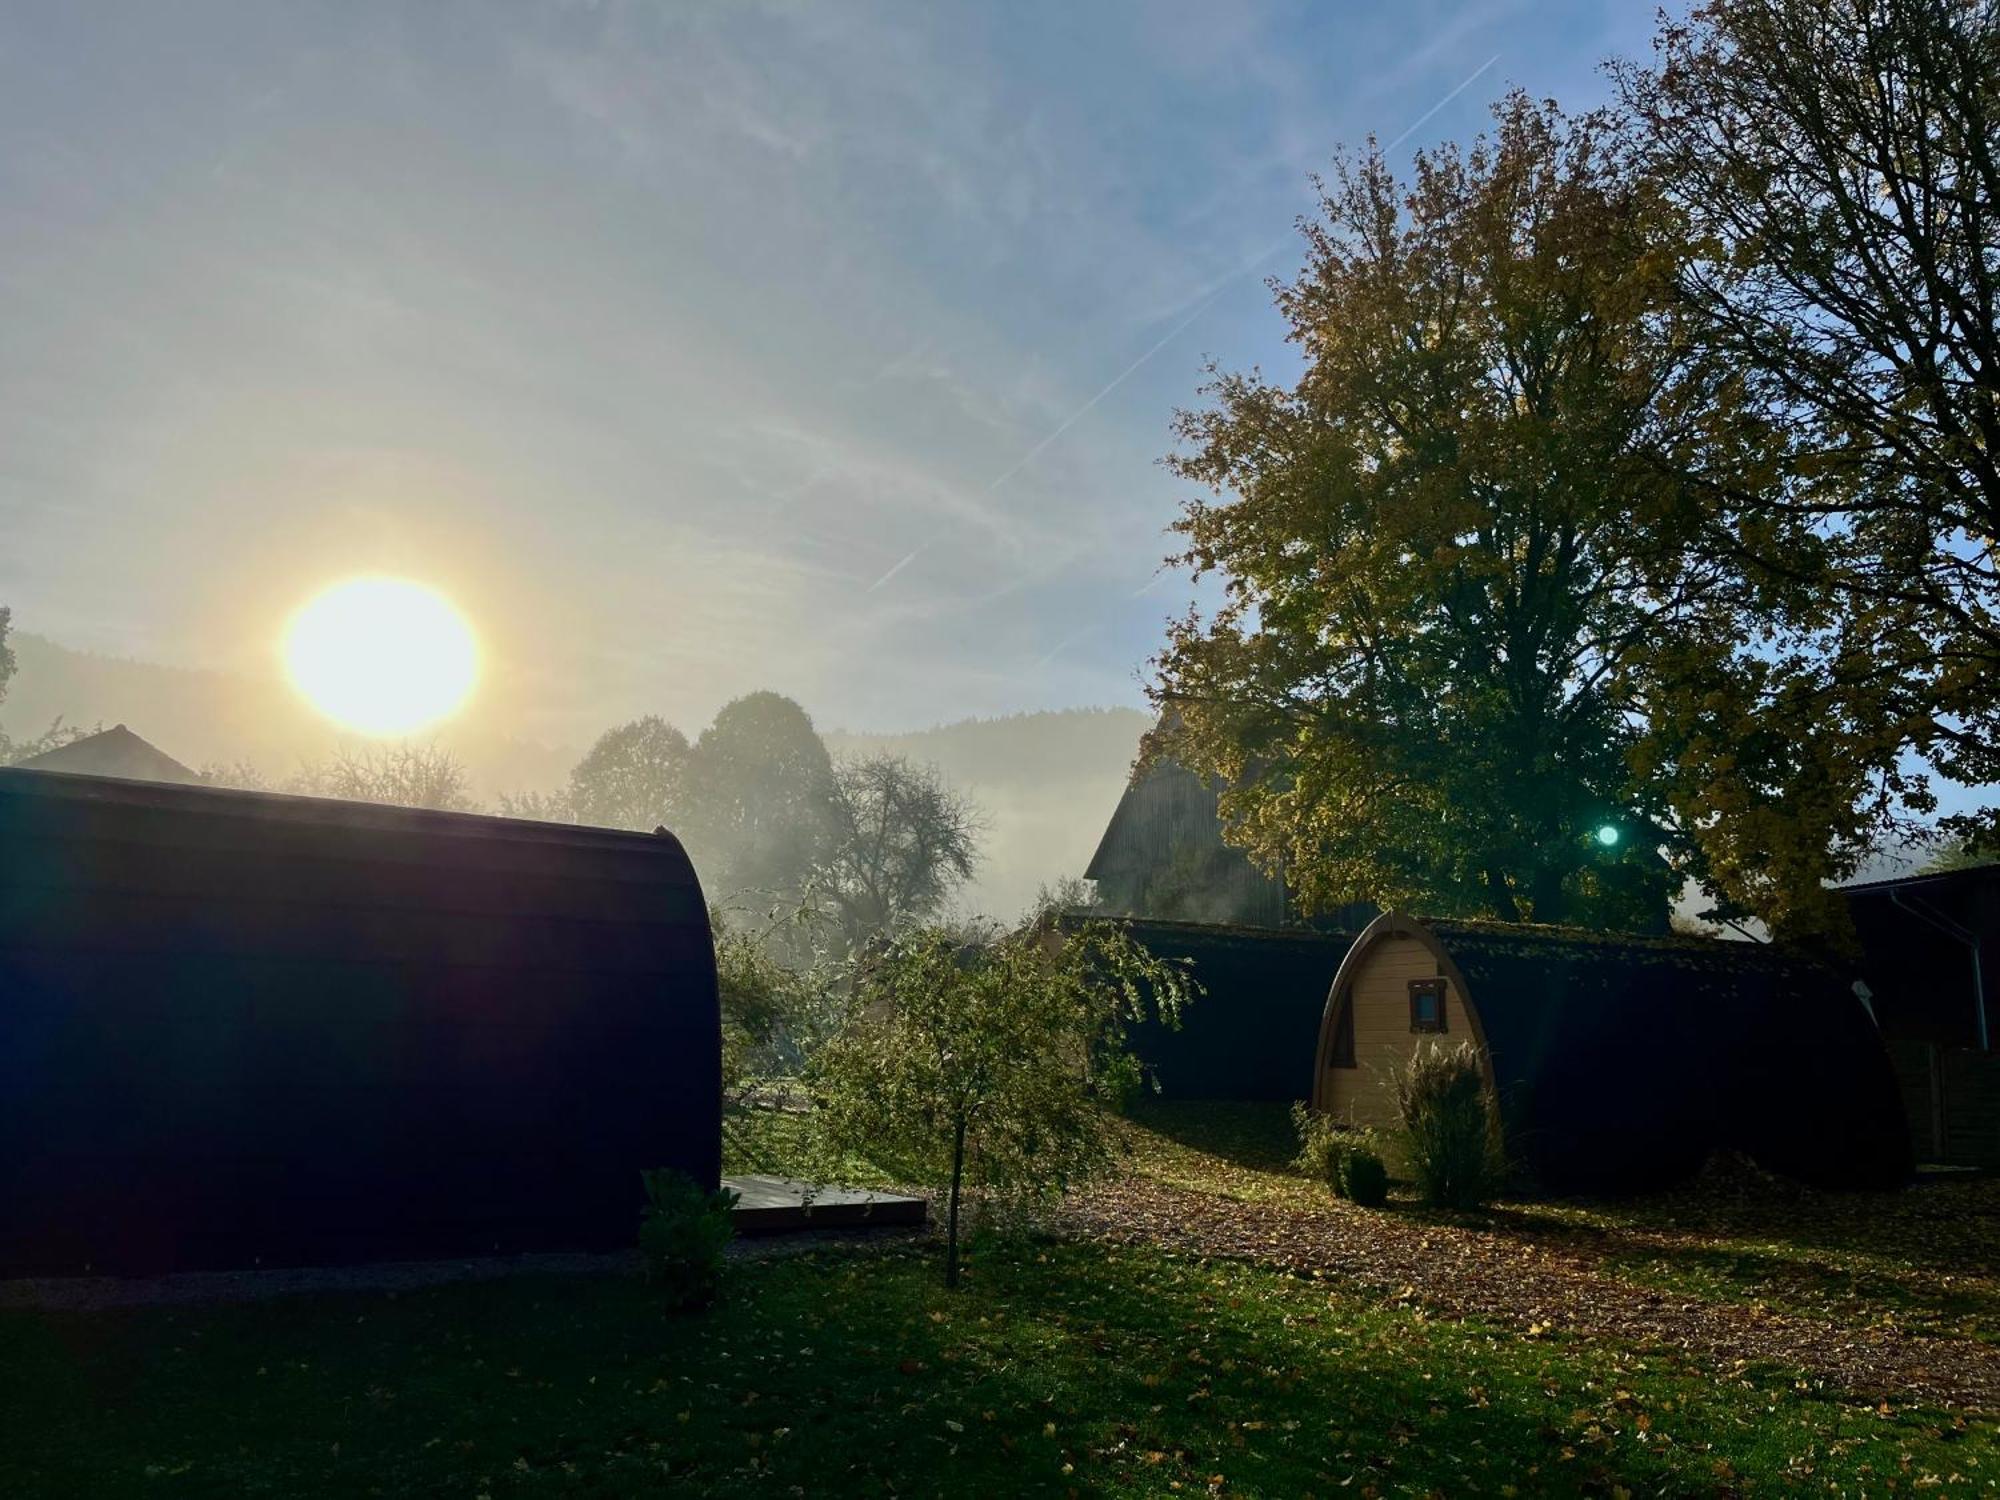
point(1155, 795)
point(1934, 881)
point(116, 751)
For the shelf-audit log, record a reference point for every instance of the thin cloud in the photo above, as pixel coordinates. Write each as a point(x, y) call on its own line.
point(1209, 301)
point(1171, 334)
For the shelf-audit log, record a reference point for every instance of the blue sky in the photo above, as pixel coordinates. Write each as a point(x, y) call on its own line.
point(691, 348)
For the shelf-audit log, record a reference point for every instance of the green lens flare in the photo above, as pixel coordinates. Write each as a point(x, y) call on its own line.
point(1607, 835)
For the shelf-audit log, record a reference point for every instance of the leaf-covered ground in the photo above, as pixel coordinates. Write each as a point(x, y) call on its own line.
point(1892, 1296)
point(1922, 1261)
point(1210, 1324)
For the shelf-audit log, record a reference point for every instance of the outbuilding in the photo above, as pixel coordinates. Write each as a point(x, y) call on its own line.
point(1622, 1062)
point(1249, 1036)
point(240, 1028)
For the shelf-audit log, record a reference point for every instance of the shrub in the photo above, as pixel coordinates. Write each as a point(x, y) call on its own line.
point(1451, 1126)
point(1320, 1146)
point(990, 1071)
point(1365, 1178)
point(683, 1232)
point(1328, 1150)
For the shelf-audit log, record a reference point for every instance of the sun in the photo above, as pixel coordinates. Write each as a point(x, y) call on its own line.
point(381, 656)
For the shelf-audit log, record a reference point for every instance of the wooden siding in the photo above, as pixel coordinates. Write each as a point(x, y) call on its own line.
point(1380, 994)
point(1952, 1098)
point(1163, 856)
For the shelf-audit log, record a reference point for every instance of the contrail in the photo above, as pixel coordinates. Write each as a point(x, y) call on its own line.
point(1125, 374)
point(1181, 327)
point(1227, 282)
point(1424, 118)
point(909, 558)
point(1174, 332)
point(1057, 649)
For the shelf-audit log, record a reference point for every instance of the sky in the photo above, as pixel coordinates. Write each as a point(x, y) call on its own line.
point(689, 348)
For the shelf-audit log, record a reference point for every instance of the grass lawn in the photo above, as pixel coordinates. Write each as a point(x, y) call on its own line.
point(1063, 1367)
point(1060, 1368)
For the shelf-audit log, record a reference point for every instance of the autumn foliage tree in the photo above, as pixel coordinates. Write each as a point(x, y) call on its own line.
point(1836, 162)
point(1447, 549)
point(635, 776)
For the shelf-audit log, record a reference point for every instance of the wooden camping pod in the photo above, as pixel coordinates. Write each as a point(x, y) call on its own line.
point(242, 1028)
point(1622, 1062)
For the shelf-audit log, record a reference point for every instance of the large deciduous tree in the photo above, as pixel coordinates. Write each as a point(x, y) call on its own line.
point(902, 841)
point(1839, 164)
point(1446, 548)
point(758, 791)
point(635, 776)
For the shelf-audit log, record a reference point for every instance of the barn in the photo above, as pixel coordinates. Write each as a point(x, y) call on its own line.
point(1622, 1062)
point(1162, 855)
point(1930, 953)
point(240, 1028)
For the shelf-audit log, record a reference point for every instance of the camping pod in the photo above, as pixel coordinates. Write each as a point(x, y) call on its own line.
point(1621, 1063)
point(1250, 1034)
point(241, 1028)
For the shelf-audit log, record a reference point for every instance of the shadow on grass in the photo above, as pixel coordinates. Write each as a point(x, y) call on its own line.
point(1257, 1136)
point(1925, 1255)
point(1060, 1369)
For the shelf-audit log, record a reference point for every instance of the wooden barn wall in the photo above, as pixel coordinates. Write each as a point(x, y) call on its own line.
point(224, 1042)
point(1952, 1098)
point(1168, 826)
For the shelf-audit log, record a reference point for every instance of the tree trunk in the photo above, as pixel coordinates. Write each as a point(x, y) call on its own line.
point(951, 1212)
point(1502, 898)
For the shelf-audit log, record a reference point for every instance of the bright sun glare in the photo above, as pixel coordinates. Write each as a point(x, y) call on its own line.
point(381, 656)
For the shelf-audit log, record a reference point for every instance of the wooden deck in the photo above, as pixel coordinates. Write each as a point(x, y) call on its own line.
point(776, 1205)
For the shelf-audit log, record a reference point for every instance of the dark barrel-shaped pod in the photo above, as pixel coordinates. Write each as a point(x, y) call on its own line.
point(240, 1028)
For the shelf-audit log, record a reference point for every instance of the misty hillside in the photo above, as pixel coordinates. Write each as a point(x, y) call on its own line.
point(1045, 782)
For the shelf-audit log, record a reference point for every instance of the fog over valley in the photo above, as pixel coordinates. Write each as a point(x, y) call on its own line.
point(1043, 784)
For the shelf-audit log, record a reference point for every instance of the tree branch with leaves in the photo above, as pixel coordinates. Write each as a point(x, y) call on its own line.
point(993, 1069)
